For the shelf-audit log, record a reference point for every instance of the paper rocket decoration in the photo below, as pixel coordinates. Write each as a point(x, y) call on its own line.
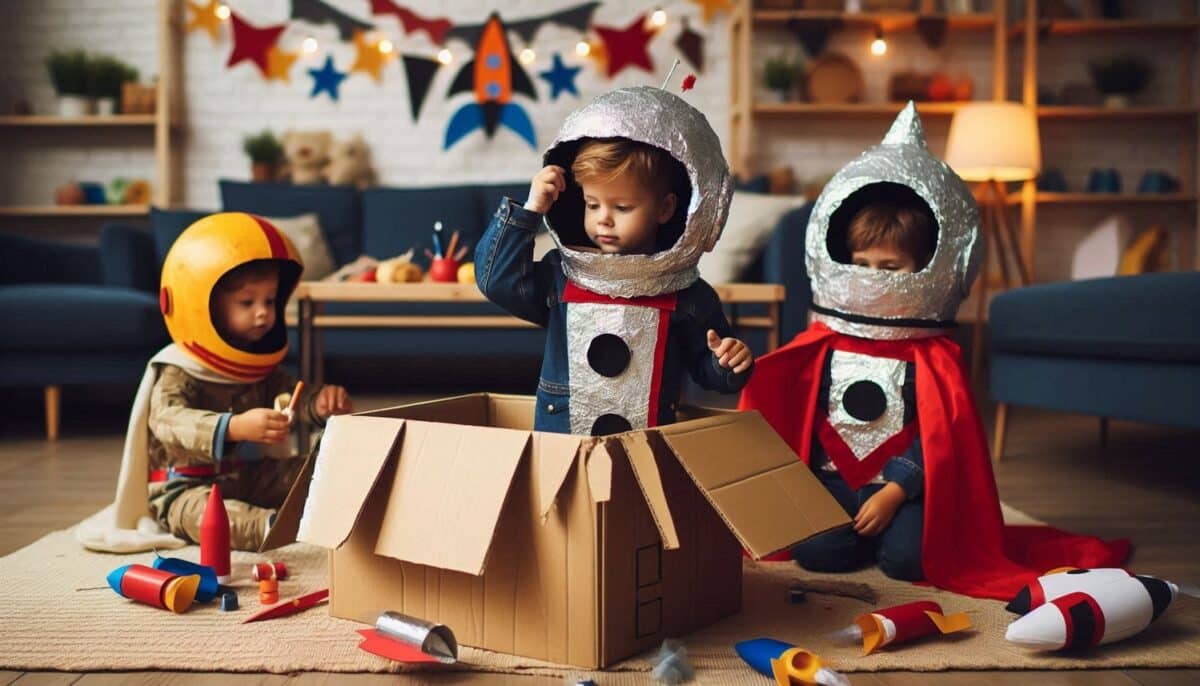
point(318, 12)
point(578, 18)
point(420, 72)
point(691, 45)
point(326, 79)
point(206, 590)
point(787, 664)
point(156, 587)
point(711, 7)
point(205, 17)
point(493, 76)
point(368, 58)
point(561, 78)
point(279, 64)
point(627, 47)
point(411, 21)
point(908, 622)
point(214, 535)
point(253, 43)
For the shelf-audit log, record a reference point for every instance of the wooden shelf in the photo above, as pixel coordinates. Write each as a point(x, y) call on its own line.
point(882, 109)
point(39, 120)
point(1096, 27)
point(74, 210)
point(1045, 198)
point(887, 21)
point(1083, 112)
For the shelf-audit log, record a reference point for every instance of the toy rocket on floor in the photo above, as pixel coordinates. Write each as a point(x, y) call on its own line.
point(902, 623)
point(1081, 608)
point(214, 536)
point(156, 587)
point(787, 664)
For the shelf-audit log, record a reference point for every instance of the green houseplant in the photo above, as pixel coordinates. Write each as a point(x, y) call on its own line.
point(68, 70)
point(779, 75)
point(106, 75)
point(265, 152)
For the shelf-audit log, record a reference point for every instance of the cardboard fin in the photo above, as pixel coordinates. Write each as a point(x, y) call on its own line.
point(872, 633)
point(287, 519)
point(599, 472)
point(948, 624)
point(449, 489)
point(352, 454)
point(645, 471)
point(555, 453)
point(768, 498)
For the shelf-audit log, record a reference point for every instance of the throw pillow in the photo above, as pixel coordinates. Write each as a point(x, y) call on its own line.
point(752, 218)
point(305, 232)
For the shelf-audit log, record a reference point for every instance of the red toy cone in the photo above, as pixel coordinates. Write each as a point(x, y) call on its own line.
point(214, 536)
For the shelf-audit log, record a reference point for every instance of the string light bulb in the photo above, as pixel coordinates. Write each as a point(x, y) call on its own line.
point(658, 18)
point(527, 56)
point(583, 48)
point(223, 12)
point(879, 45)
point(385, 46)
point(444, 56)
point(309, 45)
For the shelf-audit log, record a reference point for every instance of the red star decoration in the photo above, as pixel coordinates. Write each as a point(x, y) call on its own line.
point(253, 43)
point(627, 46)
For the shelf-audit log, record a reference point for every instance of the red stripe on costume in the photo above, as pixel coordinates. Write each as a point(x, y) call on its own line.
point(575, 294)
point(278, 247)
point(854, 471)
point(660, 352)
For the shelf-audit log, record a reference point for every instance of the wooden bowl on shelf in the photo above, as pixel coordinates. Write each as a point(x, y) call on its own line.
point(834, 79)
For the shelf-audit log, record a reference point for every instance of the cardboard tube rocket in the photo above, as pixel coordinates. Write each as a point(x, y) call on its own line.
point(903, 623)
point(155, 587)
point(207, 590)
point(214, 536)
point(787, 664)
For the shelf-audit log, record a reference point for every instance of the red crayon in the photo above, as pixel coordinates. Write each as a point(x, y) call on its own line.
point(214, 536)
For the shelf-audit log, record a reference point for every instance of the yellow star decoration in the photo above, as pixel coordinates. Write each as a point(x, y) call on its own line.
point(279, 64)
point(711, 7)
point(206, 17)
point(369, 57)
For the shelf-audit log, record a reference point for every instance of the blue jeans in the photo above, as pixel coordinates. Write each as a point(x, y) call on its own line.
point(897, 549)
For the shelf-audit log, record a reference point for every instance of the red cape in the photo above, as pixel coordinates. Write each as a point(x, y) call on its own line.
point(967, 548)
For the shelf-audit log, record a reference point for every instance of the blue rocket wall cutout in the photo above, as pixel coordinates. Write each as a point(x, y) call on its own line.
point(493, 76)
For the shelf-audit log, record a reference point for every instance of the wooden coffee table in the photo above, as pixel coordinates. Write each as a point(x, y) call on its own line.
point(312, 295)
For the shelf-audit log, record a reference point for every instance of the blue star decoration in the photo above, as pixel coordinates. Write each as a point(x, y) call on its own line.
point(327, 79)
point(561, 78)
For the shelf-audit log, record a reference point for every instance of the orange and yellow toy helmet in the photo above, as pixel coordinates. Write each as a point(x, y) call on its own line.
point(203, 253)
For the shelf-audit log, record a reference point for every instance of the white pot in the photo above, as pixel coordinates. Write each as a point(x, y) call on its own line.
point(74, 106)
point(106, 106)
point(1116, 101)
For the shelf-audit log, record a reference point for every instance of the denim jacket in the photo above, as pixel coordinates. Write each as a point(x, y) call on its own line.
point(508, 275)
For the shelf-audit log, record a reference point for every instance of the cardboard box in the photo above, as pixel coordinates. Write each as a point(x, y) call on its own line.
point(570, 549)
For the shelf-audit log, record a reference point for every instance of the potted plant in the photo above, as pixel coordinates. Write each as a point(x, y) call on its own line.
point(69, 74)
point(780, 74)
point(106, 75)
point(265, 151)
point(1119, 78)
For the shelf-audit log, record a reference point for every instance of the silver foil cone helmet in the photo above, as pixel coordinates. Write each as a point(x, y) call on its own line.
point(655, 117)
point(873, 303)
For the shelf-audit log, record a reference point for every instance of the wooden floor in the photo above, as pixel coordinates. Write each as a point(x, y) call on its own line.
point(1143, 485)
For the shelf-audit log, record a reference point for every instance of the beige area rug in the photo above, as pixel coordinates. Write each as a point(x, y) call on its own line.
point(45, 623)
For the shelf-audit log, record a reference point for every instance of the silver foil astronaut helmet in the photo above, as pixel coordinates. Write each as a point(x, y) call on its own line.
point(872, 303)
point(655, 117)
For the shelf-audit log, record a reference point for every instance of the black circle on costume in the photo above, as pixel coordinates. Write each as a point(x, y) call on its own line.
point(608, 355)
point(607, 424)
point(865, 401)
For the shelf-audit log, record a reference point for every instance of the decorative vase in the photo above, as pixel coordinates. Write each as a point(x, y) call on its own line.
point(262, 172)
point(106, 106)
point(73, 106)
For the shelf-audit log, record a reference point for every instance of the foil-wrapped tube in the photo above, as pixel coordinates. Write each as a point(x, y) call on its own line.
point(655, 117)
point(873, 303)
point(436, 640)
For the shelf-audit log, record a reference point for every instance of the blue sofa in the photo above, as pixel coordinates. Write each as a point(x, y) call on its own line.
point(1123, 348)
point(111, 288)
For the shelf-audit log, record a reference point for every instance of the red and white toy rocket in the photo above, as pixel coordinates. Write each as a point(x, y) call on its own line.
point(1081, 608)
point(214, 536)
point(902, 623)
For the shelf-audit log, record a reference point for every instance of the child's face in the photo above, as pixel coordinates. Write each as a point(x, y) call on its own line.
point(622, 216)
point(247, 313)
point(886, 257)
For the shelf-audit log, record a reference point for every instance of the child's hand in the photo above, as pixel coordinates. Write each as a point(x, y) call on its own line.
point(261, 425)
point(730, 352)
point(332, 400)
point(544, 189)
point(875, 514)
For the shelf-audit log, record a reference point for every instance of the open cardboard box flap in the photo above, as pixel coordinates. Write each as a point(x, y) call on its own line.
point(769, 499)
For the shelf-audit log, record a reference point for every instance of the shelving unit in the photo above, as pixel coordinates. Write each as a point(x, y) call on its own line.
point(163, 128)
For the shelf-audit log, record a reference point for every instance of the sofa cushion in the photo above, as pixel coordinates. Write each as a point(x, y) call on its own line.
point(1146, 317)
point(80, 318)
point(32, 260)
point(338, 207)
point(166, 225)
point(396, 219)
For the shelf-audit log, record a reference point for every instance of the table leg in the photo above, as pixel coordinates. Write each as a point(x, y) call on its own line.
point(773, 332)
point(304, 306)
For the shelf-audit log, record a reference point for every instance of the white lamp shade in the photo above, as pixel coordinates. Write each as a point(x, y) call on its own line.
point(994, 141)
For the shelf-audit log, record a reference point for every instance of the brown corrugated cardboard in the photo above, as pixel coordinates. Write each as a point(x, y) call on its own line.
point(570, 549)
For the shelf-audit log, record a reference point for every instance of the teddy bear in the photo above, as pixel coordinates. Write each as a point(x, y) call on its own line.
point(305, 153)
point(350, 163)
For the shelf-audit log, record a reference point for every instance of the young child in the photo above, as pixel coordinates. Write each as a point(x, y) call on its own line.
point(208, 408)
point(631, 206)
point(873, 395)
